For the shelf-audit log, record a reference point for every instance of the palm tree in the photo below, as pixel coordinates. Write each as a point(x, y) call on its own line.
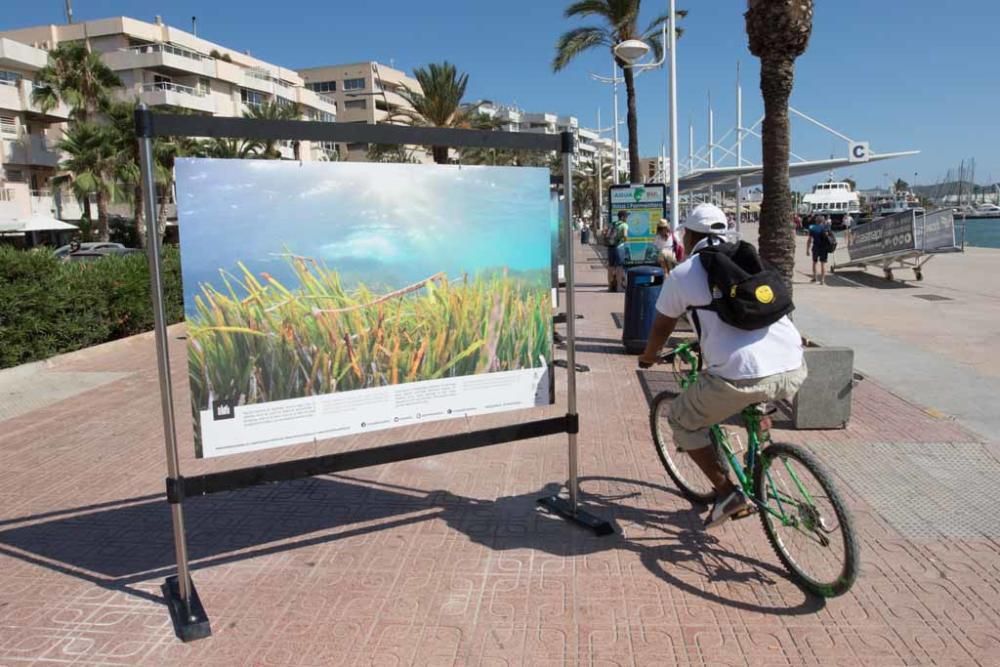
point(439, 102)
point(778, 33)
point(239, 149)
point(89, 164)
point(273, 110)
point(77, 77)
point(621, 19)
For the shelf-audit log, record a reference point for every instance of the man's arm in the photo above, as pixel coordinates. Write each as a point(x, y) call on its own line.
point(809, 240)
point(660, 332)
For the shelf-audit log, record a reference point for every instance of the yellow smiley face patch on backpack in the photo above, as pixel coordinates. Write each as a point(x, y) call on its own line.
point(764, 294)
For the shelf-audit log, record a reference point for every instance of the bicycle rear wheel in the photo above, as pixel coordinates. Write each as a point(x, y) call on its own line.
point(688, 477)
point(812, 533)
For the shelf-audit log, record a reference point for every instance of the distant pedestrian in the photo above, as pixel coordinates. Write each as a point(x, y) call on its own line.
point(667, 240)
point(818, 244)
point(617, 237)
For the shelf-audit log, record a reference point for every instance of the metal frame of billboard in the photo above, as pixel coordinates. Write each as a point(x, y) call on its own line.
point(186, 610)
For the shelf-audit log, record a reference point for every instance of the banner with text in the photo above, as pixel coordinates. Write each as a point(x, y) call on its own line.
point(890, 235)
point(325, 299)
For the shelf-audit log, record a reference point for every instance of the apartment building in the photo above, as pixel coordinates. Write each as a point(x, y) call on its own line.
point(364, 92)
point(589, 143)
point(28, 158)
point(655, 169)
point(159, 65)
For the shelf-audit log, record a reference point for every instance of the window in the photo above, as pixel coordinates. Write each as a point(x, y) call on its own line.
point(356, 104)
point(159, 78)
point(323, 86)
point(354, 84)
point(204, 85)
point(8, 78)
point(322, 116)
point(8, 125)
point(251, 98)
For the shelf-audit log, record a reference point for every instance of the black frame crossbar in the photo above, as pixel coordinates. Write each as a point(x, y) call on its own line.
point(240, 478)
point(149, 124)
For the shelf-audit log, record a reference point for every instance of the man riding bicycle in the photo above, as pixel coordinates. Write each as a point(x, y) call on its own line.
point(742, 366)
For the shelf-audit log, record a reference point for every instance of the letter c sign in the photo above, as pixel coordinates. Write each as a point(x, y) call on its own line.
point(858, 151)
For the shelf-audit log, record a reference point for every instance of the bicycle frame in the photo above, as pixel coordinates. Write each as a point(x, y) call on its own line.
point(756, 438)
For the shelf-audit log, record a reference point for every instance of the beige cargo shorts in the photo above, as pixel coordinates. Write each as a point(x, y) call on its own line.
point(712, 399)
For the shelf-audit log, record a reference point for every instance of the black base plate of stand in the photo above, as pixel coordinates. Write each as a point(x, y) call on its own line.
point(562, 507)
point(190, 621)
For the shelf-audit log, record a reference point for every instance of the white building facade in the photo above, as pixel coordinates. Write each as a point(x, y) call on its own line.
point(158, 65)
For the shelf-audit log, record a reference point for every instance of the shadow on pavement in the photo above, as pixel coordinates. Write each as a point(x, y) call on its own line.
point(116, 545)
point(844, 278)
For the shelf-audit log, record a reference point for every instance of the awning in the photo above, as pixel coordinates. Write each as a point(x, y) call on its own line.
point(36, 223)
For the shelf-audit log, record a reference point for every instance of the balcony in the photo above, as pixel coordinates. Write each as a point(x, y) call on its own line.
point(18, 201)
point(30, 149)
point(163, 93)
point(16, 96)
point(160, 56)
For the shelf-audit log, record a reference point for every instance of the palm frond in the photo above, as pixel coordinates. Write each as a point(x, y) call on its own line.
point(574, 42)
point(583, 8)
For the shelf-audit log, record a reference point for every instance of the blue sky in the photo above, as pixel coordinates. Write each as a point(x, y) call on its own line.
point(390, 225)
point(901, 74)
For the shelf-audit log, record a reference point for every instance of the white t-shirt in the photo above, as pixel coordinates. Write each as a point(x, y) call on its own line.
point(660, 243)
point(730, 353)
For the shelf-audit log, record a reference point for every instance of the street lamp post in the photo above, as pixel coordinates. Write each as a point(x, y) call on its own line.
point(614, 80)
point(632, 50)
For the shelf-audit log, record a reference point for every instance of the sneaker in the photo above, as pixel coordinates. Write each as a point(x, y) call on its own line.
point(735, 505)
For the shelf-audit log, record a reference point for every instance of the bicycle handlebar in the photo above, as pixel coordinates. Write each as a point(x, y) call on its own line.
point(693, 347)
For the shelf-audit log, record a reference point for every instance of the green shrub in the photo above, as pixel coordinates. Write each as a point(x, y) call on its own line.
point(48, 306)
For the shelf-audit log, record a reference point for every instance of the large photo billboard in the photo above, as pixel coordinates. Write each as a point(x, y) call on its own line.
point(327, 299)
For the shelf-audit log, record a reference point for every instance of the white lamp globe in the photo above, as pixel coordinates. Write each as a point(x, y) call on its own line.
point(631, 50)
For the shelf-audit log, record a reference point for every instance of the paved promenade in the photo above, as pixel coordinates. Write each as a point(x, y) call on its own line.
point(448, 561)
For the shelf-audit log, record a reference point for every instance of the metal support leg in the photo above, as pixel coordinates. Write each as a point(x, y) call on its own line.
point(569, 508)
point(190, 621)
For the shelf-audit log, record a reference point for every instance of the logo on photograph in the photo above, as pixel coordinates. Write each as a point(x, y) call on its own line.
point(223, 409)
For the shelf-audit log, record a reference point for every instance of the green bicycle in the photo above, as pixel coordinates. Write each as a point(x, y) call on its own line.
point(804, 517)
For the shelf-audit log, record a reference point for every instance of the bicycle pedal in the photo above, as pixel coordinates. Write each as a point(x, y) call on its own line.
point(742, 514)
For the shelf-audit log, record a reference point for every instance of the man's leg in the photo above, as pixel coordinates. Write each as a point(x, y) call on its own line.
point(822, 273)
point(707, 459)
point(814, 268)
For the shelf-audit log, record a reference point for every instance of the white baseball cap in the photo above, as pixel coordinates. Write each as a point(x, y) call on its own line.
point(706, 219)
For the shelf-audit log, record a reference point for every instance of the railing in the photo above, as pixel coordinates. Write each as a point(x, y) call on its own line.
point(8, 82)
point(172, 87)
point(7, 194)
point(166, 48)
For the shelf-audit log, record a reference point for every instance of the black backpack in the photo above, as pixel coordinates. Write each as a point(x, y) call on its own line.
point(747, 293)
point(831, 239)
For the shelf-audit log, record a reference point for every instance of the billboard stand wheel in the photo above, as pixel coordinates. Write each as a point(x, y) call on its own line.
point(190, 622)
point(562, 507)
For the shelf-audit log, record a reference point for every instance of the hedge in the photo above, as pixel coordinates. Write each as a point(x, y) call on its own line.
point(49, 306)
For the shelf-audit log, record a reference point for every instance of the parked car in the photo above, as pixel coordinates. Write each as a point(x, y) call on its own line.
point(90, 246)
point(98, 253)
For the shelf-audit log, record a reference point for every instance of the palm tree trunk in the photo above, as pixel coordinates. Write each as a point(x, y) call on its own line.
point(102, 217)
point(89, 216)
point(138, 202)
point(777, 239)
point(440, 154)
point(635, 170)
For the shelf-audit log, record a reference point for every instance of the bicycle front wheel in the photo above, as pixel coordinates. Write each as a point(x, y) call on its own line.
point(806, 520)
point(688, 477)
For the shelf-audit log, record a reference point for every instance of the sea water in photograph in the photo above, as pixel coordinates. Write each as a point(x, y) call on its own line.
point(325, 299)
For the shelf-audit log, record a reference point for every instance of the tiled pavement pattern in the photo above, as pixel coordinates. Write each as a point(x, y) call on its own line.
point(447, 561)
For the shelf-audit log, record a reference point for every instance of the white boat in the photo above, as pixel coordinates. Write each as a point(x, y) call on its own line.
point(981, 212)
point(835, 200)
point(897, 202)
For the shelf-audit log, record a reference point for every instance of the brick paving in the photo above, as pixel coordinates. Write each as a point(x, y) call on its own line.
point(448, 561)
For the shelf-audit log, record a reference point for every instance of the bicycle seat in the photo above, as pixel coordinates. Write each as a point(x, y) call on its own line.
point(765, 409)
